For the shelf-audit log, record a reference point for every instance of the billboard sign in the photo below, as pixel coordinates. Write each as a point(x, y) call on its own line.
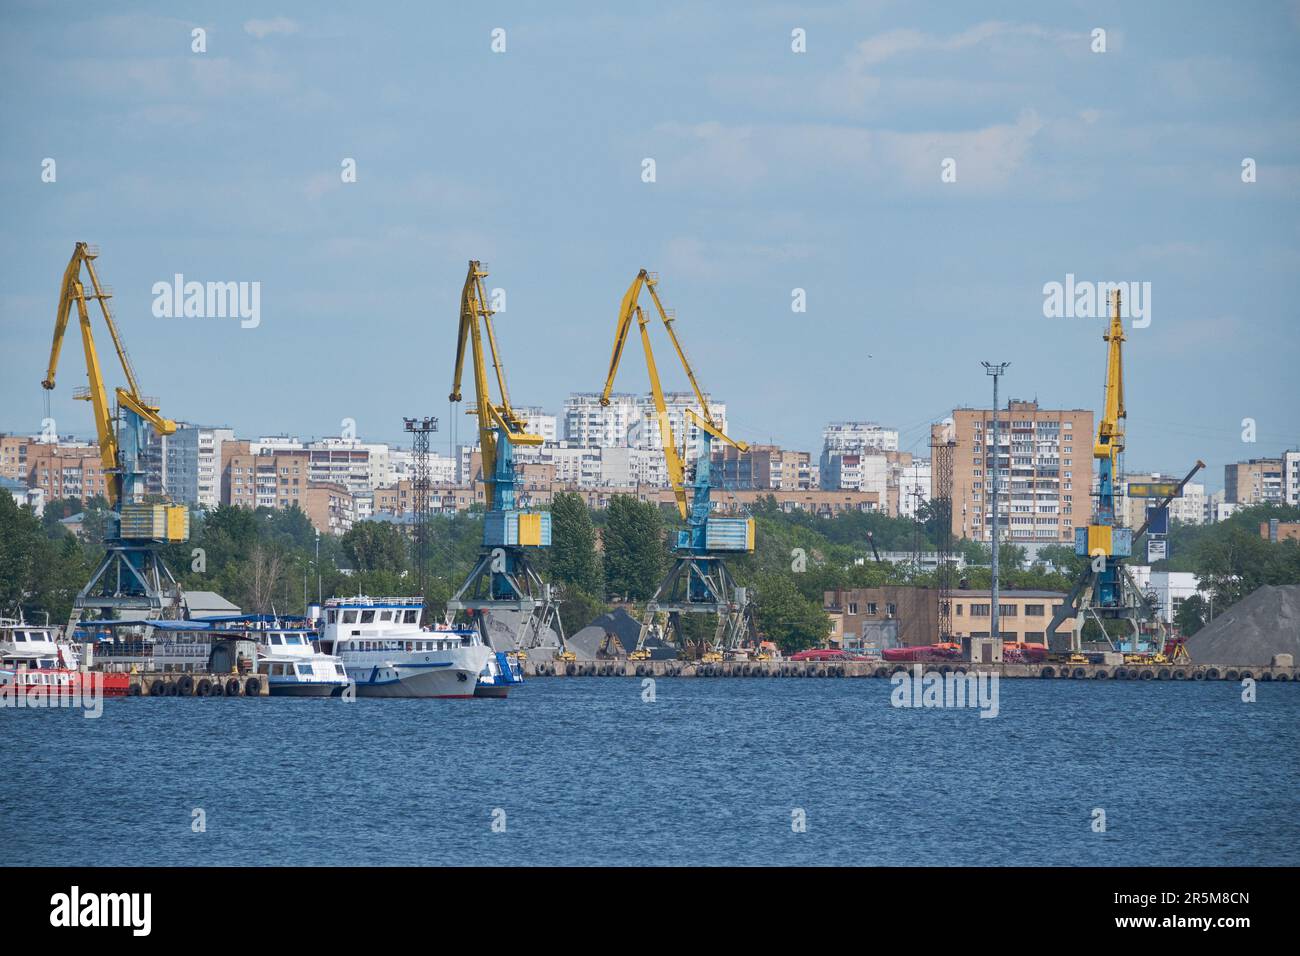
point(1157, 520)
point(1152, 489)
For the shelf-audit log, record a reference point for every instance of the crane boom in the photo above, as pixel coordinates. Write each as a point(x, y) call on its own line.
point(630, 309)
point(491, 417)
point(73, 290)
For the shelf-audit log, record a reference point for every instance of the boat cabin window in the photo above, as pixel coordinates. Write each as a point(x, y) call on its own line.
point(332, 616)
point(411, 616)
point(349, 617)
point(293, 639)
point(275, 639)
point(20, 637)
point(306, 670)
point(385, 615)
point(367, 617)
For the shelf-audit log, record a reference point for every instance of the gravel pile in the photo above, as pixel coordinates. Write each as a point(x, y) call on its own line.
point(1264, 623)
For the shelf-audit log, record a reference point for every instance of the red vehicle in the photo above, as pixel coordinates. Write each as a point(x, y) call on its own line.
point(825, 654)
point(944, 651)
point(1021, 652)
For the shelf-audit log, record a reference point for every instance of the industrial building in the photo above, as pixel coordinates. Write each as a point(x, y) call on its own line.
point(909, 616)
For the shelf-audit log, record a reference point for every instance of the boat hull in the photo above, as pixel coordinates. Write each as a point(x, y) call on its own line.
point(307, 690)
point(450, 683)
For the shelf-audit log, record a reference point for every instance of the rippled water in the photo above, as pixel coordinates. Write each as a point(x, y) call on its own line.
point(586, 771)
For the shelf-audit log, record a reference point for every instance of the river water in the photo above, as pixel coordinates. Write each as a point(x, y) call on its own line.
point(709, 771)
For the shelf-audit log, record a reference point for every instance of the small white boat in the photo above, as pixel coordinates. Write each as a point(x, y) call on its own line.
point(294, 668)
point(501, 673)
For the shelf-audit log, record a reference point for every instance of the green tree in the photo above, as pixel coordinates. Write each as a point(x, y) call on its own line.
point(21, 544)
point(1192, 615)
point(634, 552)
point(785, 616)
point(578, 608)
point(376, 546)
point(573, 559)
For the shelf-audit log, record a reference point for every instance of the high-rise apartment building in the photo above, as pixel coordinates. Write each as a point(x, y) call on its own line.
point(1253, 482)
point(1043, 464)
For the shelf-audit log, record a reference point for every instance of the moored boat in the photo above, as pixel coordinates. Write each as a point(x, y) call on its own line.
point(386, 651)
point(35, 660)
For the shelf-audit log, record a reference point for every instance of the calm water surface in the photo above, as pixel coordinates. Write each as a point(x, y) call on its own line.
point(586, 772)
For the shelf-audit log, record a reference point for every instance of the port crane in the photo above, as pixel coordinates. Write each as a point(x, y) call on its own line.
point(503, 579)
point(698, 581)
point(1106, 588)
point(132, 574)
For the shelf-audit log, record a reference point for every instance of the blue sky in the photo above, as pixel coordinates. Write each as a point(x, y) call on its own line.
point(775, 171)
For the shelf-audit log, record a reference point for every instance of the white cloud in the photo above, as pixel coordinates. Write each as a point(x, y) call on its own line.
point(264, 28)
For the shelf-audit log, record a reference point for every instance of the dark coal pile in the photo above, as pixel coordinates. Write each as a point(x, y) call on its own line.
point(1264, 623)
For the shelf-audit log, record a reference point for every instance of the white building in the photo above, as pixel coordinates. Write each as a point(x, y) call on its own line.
point(574, 464)
point(858, 437)
point(631, 421)
point(1168, 589)
point(442, 468)
point(588, 423)
point(1218, 508)
point(632, 467)
point(191, 471)
point(360, 466)
point(273, 443)
point(856, 471)
point(913, 487)
point(24, 495)
point(853, 457)
point(539, 422)
point(1291, 477)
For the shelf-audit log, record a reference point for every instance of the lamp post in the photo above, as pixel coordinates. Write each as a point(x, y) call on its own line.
point(996, 370)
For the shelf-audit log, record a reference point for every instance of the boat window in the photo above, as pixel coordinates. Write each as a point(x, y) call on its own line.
point(385, 615)
point(306, 670)
point(367, 617)
point(332, 616)
point(275, 638)
point(349, 617)
point(293, 639)
point(411, 616)
point(20, 637)
point(339, 670)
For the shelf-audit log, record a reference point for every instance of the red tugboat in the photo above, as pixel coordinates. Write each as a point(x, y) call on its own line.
point(34, 661)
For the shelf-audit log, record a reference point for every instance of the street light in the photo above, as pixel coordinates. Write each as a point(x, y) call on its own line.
point(997, 370)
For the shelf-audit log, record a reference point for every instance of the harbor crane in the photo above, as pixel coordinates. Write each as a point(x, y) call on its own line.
point(132, 574)
point(503, 579)
point(1105, 588)
point(698, 581)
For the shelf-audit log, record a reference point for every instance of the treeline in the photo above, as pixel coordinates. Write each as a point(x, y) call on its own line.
point(268, 560)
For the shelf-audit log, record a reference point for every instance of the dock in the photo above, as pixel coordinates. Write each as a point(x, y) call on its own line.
point(161, 684)
point(812, 669)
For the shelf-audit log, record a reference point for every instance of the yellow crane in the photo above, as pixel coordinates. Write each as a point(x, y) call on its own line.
point(73, 291)
point(629, 310)
point(503, 578)
point(698, 581)
point(1105, 587)
point(138, 578)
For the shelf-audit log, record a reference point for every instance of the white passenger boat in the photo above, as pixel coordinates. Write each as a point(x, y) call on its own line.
point(386, 651)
